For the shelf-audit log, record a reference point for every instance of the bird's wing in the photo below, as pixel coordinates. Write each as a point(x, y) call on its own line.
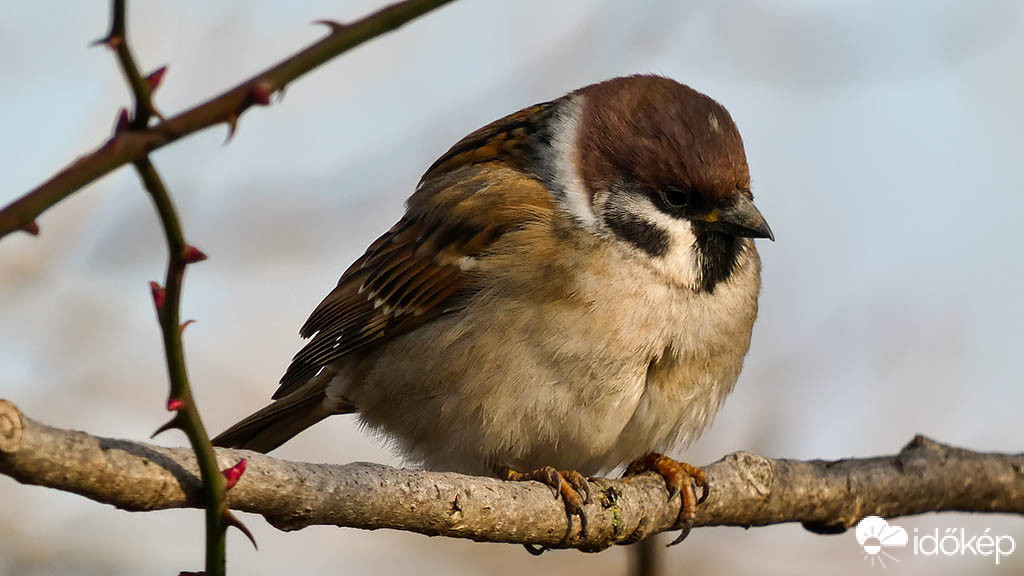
point(510, 139)
point(418, 270)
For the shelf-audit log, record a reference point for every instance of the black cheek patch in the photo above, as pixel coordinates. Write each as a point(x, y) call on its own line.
point(638, 232)
point(719, 253)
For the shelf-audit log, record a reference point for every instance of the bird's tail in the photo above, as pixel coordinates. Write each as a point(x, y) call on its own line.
point(282, 419)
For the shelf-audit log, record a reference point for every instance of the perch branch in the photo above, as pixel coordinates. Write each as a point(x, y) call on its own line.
point(748, 490)
point(127, 146)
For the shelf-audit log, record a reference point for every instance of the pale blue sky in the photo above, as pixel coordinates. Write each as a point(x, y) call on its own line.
point(884, 141)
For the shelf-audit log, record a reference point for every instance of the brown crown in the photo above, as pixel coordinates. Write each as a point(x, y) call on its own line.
point(656, 132)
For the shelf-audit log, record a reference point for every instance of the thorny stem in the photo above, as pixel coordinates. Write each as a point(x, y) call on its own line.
point(132, 142)
point(130, 146)
point(187, 414)
point(117, 40)
point(168, 308)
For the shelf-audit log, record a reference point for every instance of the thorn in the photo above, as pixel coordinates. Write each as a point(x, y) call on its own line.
point(334, 25)
point(32, 228)
point(185, 325)
point(159, 294)
point(121, 124)
point(170, 425)
point(231, 520)
point(233, 474)
point(175, 404)
point(191, 255)
point(155, 77)
point(109, 41)
point(232, 127)
point(261, 92)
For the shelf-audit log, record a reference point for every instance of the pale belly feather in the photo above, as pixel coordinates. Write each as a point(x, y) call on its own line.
point(609, 370)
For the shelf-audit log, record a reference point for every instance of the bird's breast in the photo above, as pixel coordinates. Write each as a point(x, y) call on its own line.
point(574, 359)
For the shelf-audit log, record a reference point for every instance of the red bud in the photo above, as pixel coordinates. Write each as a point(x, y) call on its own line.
point(175, 404)
point(193, 255)
point(155, 77)
point(122, 121)
point(261, 93)
point(159, 294)
point(32, 228)
point(233, 474)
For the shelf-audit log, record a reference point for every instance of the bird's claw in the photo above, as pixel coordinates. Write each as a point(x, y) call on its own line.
point(680, 479)
point(570, 485)
point(683, 533)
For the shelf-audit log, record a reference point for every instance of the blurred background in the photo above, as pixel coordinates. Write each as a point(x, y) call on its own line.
point(883, 138)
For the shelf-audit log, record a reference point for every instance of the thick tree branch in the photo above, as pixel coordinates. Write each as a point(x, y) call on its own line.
point(132, 145)
point(747, 490)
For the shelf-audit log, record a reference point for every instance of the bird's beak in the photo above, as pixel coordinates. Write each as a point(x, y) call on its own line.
point(741, 218)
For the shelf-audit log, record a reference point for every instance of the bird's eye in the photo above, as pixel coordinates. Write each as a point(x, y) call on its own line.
point(676, 197)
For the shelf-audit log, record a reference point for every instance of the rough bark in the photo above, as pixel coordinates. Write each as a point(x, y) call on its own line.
point(747, 489)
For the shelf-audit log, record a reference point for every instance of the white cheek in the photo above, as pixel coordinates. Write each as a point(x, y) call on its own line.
point(680, 265)
point(572, 194)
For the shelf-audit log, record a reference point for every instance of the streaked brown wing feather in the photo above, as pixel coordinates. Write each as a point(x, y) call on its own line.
point(507, 139)
point(412, 273)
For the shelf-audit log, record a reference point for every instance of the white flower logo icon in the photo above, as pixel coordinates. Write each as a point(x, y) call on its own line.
point(874, 534)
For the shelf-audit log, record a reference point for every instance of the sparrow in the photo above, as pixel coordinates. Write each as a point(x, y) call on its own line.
point(572, 288)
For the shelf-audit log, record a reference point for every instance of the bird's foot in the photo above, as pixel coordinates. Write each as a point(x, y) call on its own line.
point(570, 485)
point(680, 478)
